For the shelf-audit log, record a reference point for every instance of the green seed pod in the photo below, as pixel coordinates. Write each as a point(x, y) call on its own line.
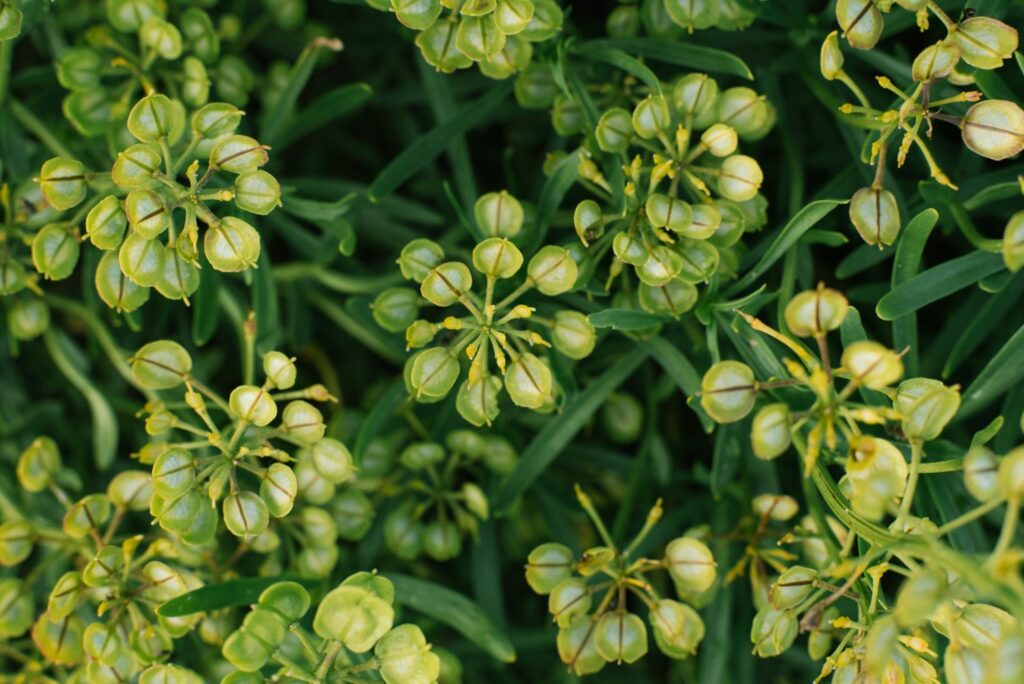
point(651, 117)
point(831, 57)
point(357, 613)
point(405, 657)
point(200, 33)
point(403, 534)
point(146, 213)
point(417, 14)
point(313, 487)
point(535, 87)
point(136, 165)
point(18, 611)
point(678, 628)
point(161, 365)
point(861, 22)
point(10, 22)
point(576, 646)
point(477, 400)
point(566, 116)
point(512, 58)
point(1011, 474)
point(497, 258)
point(693, 14)
point(721, 140)
point(936, 61)
point(553, 270)
point(195, 87)
point(15, 542)
point(12, 276)
point(441, 540)
point(55, 252)
point(690, 563)
point(980, 474)
point(290, 600)
point(792, 587)
point(674, 298)
point(528, 381)
point(573, 334)
point(594, 560)
point(332, 460)
point(695, 95)
point(105, 223)
point(705, 221)
point(1005, 663)
point(871, 364)
point(216, 119)
point(775, 506)
point(65, 596)
point(86, 515)
point(238, 154)
point(162, 37)
point(994, 129)
point(279, 369)
point(115, 289)
point(245, 651)
point(279, 489)
point(63, 182)
point(547, 566)
point(446, 283)
point(38, 464)
point(141, 259)
point(173, 473)
point(467, 442)
point(588, 221)
point(104, 567)
point(982, 627)
point(473, 8)
point(178, 515)
point(479, 38)
point(728, 391)
point(433, 373)
point(614, 130)
point(985, 42)
point(623, 22)
point(744, 110)
point(740, 178)
point(919, 596)
point(925, 406)
point(257, 192)
point(545, 23)
point(770, 433)
point(699, 260)
point(475, 500)
point(668, 212)
point(622, 417)
point(232, 245)
point(629, 248)
point(815, 312)
point(620, 637)
point(234, 80)
point(245, 515)
point(179, 278)
point(773, 632)
point(303, 422)
point(419, 258)
point(513, 16)
point(1013, 242)
point(155, 117)
point(79, 68)
point(59, 640)
point(252, 404)
point(963, 665)
point(499, 214)
point(437, 44)
point(877, 474)
point(419, 455)
point(131, 490)
point(319, 526)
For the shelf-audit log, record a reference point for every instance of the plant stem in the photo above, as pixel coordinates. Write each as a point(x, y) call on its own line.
point(1009, 526)
point(37, 128)
point(916, 449)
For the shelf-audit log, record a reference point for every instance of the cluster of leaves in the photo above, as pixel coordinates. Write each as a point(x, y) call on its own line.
point(511, 393)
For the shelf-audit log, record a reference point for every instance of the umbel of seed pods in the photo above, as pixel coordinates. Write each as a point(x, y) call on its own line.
point(493, 326)
point(589, 597)
point(688, 195)
point(134, 223)
point(993, 129)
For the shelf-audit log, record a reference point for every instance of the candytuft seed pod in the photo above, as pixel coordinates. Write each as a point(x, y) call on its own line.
point(831, 57)
point(792, 587)
point(983, 626)
point(513, 16)
point(573, 334)
point(985, 42)
point(332, 460)
point(303, 422)
point(63, 182)
point(252, 404)
point(576, 646)
point(744, 110)
point(85, 515)
point(861, 22)
point(55, 251)
point(547, 565)
point(981, 469)
point(770, 433)
point(279, 369)
point(740, 178)
point(1013, 242)
point(216, 119)
point(693, 14)
point(528, 381)
point(498, 214)
point(678, 628)
point(136, 165)
point(728, 391)
point(1011, 474)
point(871, 364)
point(15, 542)
point(588, 221)
point(773, 632)
point(535, 87)
point(614, 130)
point(477, 400)
point(419, 455)
point(479, 38)
point(568, 599)
point(721, 140)
point(919, 596)
point(441, 540)
point(690, 563)
point(695, 95)
point(173, 473)
point(257, 192)
point(875, 215)
point(673, 298)
point(279, 489)
point(497, 258)
point(814, 312)
point(238, 154)
point(28, 318)
point(418, 258)
point(10, 22)
point(877, 475)
point(16, 598)
point(357, 613)
point(620, 637)
point(245, 515)
point(161, 365)
point(553, 270)
point(936, 61)
point(668, 212)
point(417, 14)
point(405, 657)
point(396, 308)
point(994, 129)
point(38, 464)
point(651, 117)
point(59, 641)
point(446, 283)
point(106, 222)
point(433, 373)
point(141, 259)
point(775, 506)
point(155, 117)
point(925, 406)
point(115, 289)
point(231, 245)
point(146, 213)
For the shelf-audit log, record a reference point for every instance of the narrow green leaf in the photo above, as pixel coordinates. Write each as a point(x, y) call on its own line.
point(205, 304)
point(620, 59)
point(355, 319)
point(297, 79)
point(561, 429)
point(104, 422)
point(265, 306)
point(444, 106)
point(426, 148)
point(230, 594)
point(680, 53)
point(679, 368)
point(1002, 372)
point(626, 319)
point(908, 260)
point(315, 210)
point(993, 86)
point(727, 457)
point(985, 435)
point(454, 610)
point(378, 416)
point(991, 315)
point(551, 196)
point(327, 108)
point(938, 282)
point(804, 220)
point(861, 259)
